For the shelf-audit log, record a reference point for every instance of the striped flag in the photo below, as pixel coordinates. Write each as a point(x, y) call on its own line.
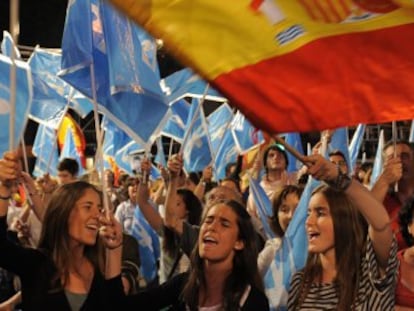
point(298, 65)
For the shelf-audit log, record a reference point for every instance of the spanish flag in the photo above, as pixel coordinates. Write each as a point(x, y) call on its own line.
point(296, 65)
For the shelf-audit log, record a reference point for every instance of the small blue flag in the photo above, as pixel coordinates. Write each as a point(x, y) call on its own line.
point(46, 151)
point(22, 102)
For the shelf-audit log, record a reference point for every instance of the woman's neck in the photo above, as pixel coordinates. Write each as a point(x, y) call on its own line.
point(328, 262)
point(211, 293)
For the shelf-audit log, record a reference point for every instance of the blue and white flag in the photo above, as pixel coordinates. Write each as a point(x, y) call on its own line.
point(245, 134)
point(355, 145)
point(149, 245)
point(46, 151)
point(22, 102)
point(292, 254)
point(294, 140)
point(45, 67)
point(7, 46)
point(263, 204)
point(160, 156)
point(227, 153)
point(125, 157)
point(98, 40)
point(185, 83)
point(218, 123)
point(378, 161)
point(175, 126)
point(69, 150)
point(196, 145)
point(339, 141)
point(48, 106)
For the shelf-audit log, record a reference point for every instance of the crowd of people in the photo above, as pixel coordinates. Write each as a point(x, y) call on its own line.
point(188, 242)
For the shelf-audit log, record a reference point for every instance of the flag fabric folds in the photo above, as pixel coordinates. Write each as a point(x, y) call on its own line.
point(294, 140)
point(265, 56)
point(22, 102)
point(48, 106)
point(185, 83)
point(125, 81)
point(149, 245)
point(245, 134)
point(197, 153)
point(175, 126)
point(46, 151)
point(263, 204)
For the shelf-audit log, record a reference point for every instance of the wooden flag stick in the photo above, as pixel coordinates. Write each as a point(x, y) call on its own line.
point(289, 148)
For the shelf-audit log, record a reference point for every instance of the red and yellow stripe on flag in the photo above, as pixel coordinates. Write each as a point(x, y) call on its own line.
point(295, 65)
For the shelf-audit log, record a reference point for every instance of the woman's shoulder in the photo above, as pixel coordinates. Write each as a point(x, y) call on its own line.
point(255, 300)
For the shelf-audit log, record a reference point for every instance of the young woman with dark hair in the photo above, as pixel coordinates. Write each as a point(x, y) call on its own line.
point(67, 271)
point(223, 275)
point(352, 259)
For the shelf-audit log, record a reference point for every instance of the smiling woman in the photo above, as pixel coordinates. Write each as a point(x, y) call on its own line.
point(66, 272)
point(348, 266)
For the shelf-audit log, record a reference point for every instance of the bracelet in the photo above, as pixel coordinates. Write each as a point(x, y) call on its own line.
point(342, 181)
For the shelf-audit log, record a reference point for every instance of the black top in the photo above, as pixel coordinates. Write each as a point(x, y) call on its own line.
point(36, 270)
point(169, 295)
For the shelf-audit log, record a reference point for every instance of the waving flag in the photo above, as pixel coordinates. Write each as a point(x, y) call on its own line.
point(22, 103)
point(355, 145)
point(185, 83)
point(268, 52)
point(218, 123)
point(294, 140)
point(69, 151)
point(339, 141)
point(378, 161)
point(124, 157)
point(292, 254)
point(48, 106)
point(226, 153)
point(160, 156)
point(245, 135)
point(100, 43)
point(7, 46)
point(149, 245)
point(46, 151)
point(197, 153)
point(263, 204)
point(175, 126)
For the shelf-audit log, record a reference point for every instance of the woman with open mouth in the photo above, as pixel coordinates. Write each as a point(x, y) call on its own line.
point(352, 259)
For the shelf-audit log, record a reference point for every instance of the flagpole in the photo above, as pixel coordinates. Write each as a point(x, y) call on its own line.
point(98, 138)
point(170, 149)
point(26, 164)
point(14, 27)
